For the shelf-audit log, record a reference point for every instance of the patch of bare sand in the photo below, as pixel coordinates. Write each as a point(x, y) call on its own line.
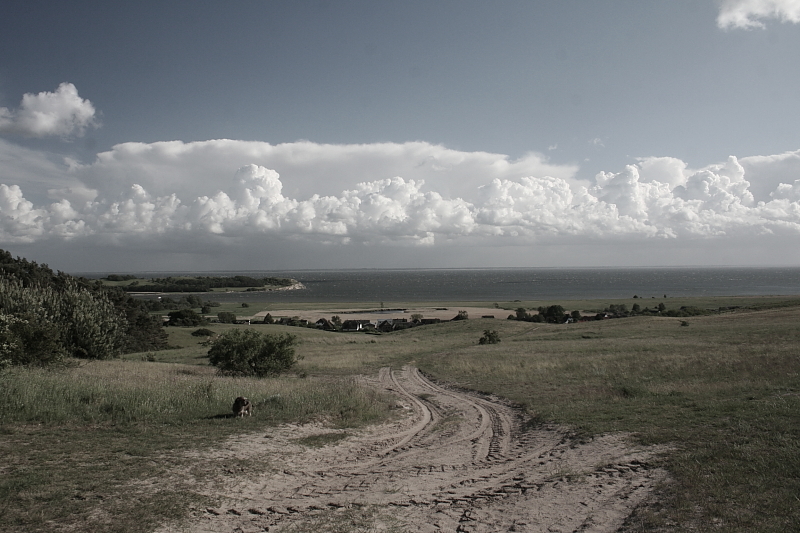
point(456, 461)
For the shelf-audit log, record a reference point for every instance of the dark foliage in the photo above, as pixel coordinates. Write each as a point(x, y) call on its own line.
point(190, 301)
point(247, 352)
point(206, 283)
point(226, 317)
point(490, 336)
point(48, 315)
point(186, 317)
point(462, 315)
point(144, 332)
point(118, 277)
point(553, 314)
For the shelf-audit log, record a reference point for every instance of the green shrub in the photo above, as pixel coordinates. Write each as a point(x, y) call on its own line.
point(186, 317)
point(490, 336)
point(74, 321)
point(247, 352)
point(462, 315)
point(553, 314)
point(226, 317)
point(202, 332)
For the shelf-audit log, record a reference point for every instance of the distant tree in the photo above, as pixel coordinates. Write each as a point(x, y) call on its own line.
point(490, 336)
point(186, 317)
point(226, 317)
point(268, 319)
point(553, 314)
point(337, 321)
point(416, 317)
point(636, 309)
point(576, 315)
point(617, 310)
point(462, 315)
point(192, 300)
point(118, 277)
point(247, 352)
point(206, 309)
point(661, 307)
point(522, 313)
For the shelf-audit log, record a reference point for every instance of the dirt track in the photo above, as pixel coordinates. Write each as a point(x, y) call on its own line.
point(455, 462)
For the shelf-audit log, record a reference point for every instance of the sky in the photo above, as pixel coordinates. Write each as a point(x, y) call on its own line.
point(251, 135)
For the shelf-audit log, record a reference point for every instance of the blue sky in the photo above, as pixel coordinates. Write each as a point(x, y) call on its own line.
point(239, 135)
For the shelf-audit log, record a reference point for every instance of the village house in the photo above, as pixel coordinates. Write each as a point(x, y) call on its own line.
point(357, 325)
point(325, 324)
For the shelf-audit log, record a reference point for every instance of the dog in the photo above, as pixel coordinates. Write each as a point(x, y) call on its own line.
point(242, 406)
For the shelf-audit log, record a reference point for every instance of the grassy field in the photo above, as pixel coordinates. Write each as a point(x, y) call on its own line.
point(91, 448)
point(722, 393)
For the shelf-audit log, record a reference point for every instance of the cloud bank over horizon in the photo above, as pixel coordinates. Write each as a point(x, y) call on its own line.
point(201, 192)
point(226, 196)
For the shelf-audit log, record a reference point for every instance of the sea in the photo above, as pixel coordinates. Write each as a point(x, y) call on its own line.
point(377, 287)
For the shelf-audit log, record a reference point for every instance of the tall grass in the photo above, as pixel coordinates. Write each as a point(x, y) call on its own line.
point(140, 392)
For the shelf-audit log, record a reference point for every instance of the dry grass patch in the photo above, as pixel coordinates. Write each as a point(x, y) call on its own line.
point(725, 392)
point(85, 448)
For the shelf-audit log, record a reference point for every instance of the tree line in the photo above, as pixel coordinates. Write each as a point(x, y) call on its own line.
point(198, 283)
point(555, 314)
point(46, 316)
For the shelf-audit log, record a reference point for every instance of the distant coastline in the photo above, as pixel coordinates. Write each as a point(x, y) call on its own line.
point(371, 287)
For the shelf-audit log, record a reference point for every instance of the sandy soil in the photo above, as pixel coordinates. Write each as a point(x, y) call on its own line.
point(442, 313)
point(452, 462)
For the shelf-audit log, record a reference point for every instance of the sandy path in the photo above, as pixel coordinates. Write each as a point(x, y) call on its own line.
point(457, 462)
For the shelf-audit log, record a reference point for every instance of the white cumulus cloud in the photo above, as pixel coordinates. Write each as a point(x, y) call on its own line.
point(751, 13)
point(62, 113)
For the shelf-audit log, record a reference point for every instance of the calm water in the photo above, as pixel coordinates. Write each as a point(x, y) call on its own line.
point(375, 286)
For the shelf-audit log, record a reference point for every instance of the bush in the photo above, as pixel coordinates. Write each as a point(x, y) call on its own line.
point(226, 317)
point(462, 315)
point(553, 314)
point(246, 352)
point(24, 340)
point(83, 323)
point(186, 317)
point(202, 332)
point(490, 336)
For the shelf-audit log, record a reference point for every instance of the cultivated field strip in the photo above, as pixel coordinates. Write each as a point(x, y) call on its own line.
point(456, 462)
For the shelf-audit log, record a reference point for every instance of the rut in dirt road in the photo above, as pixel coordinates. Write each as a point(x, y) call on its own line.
point(457, 462)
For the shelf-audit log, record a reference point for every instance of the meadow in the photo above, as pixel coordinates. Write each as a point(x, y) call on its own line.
point(93, 444)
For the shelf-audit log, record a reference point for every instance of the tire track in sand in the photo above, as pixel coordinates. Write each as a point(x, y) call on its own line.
point(456, 462)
